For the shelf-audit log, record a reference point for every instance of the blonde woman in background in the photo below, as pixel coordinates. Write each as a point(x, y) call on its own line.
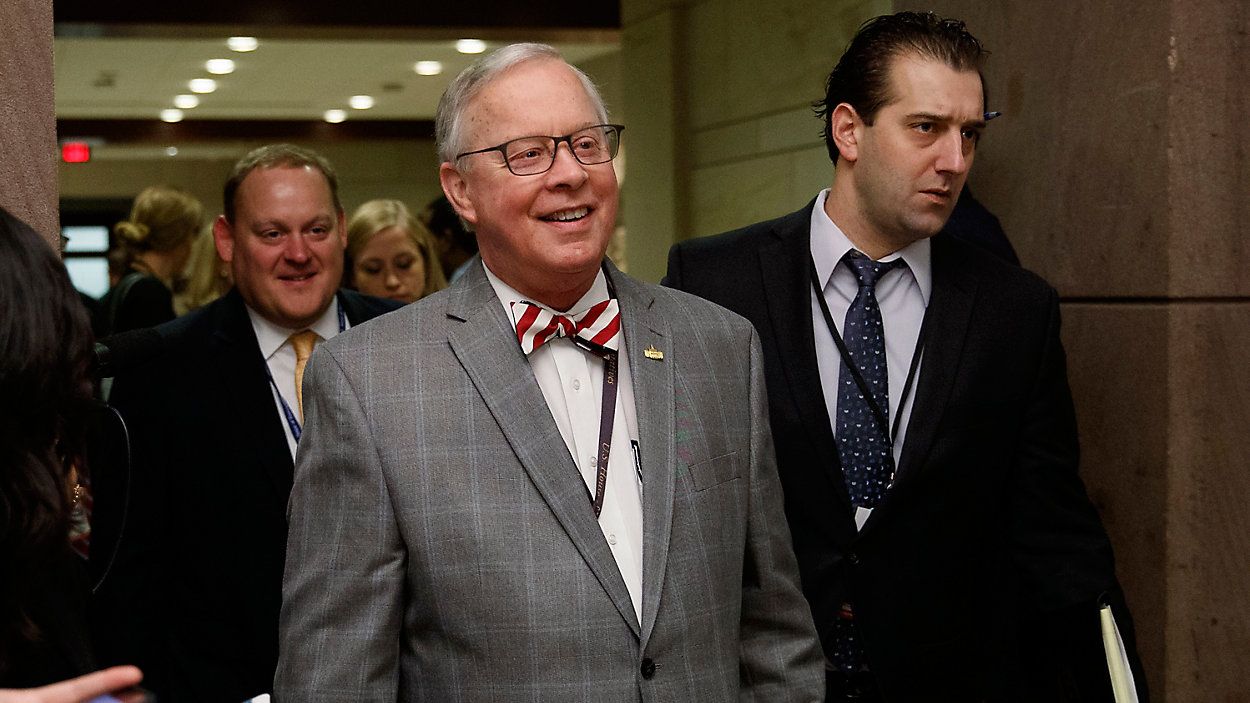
point(205, 279)
point(390, 254)
point(157, 241)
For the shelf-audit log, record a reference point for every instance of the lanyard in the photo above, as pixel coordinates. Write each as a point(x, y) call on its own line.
point(292, 422)
point(877, 412)
point(607, 413)
point(607, 419)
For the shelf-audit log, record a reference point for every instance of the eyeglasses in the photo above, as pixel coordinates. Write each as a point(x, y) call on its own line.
point(530, 156)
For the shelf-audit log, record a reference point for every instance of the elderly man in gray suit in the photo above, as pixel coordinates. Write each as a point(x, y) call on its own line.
point(550, 482)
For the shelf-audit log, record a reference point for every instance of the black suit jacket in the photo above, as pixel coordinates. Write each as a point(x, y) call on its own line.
point(194, 595)
point(978, 576)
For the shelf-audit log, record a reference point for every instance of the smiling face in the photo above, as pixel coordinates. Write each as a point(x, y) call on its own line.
point(285, 246)
point(544, 235)
point(902, 174)
point(390, 266)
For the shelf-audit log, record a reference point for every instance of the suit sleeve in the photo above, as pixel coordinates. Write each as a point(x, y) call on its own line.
point(1059, 545)
point(780, 657)
point(130, 607)
point(342, 607)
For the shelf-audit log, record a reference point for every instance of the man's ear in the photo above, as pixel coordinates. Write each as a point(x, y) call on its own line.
point(223, 237)
point(342, 224)
point(846, 129)
point(457, 191)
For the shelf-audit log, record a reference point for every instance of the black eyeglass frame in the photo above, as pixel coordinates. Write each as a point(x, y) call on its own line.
point(566, 139)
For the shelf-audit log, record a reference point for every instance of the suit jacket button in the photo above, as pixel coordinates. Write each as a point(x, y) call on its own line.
point(853, 558)
point(648, 668)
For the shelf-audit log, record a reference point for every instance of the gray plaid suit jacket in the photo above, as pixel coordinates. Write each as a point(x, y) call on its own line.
point(442, 546)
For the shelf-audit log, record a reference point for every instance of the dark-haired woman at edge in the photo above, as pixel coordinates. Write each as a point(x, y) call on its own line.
point(45, 347)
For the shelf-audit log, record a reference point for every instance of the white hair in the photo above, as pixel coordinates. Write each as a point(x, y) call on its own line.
point(449, 118)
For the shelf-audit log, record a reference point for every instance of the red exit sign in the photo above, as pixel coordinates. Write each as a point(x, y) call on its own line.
point(75, 152)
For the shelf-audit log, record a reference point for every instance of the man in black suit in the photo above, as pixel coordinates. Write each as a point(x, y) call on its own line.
point(214, 418)
point(949, 551)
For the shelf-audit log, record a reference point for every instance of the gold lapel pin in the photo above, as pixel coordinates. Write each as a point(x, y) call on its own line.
point(652, 353)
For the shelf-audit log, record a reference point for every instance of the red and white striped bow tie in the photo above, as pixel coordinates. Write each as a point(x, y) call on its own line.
point(600, 325)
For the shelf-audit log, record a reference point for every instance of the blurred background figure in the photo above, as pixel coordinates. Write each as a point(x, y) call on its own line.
point(156, 241)
point(455, 244)
point(45, 400)
point(390, 254)
point(205, 278)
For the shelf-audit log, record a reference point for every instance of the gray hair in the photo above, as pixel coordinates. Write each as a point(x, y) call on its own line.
point(448, 119)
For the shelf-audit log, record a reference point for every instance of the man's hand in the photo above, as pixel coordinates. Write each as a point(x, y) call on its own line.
point(79, 690)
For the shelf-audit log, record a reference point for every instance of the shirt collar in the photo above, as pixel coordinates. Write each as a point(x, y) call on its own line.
point(829, 245)
point(271, 337)
point(507, 295)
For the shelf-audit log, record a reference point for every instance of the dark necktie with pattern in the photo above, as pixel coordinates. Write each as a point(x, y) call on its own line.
point(864, 446)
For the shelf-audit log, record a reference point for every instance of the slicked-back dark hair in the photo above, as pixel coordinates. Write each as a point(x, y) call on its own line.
point(277, 156)
point(45, 396)
point(862, 77)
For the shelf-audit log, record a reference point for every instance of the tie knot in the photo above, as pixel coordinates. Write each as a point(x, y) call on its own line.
point(598, 326)
point(867, 271)
point(303, 343)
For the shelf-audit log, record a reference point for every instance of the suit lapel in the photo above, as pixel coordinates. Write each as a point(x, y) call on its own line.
point(784, 264)
point(946, 323)
point(249, 398)
point(654, 402)
point(486, 347)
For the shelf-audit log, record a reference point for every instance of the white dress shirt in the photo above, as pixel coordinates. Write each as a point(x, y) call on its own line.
point(902, 296)
point(571, 380)
point(275, 347)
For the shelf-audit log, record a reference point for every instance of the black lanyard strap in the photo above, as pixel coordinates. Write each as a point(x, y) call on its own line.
point(607, 419)
point(877, 412)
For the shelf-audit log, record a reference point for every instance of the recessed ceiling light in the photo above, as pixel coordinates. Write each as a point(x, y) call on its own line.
point(185, 102)
point(470, 46)
point(171, 151)
point(171, 115)
point(335, 116)
point(242, 44)
point(219, 67)
point(202, 85)
point(428, 68)
point(361, 102)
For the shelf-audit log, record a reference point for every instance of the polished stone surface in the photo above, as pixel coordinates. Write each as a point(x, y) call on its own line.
point(28, 149)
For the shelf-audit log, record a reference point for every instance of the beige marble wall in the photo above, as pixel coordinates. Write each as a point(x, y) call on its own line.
point(27, 124)
point(654, 191)
point(721, 131)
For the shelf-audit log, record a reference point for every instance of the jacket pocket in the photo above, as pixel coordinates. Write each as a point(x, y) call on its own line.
point(715, 471)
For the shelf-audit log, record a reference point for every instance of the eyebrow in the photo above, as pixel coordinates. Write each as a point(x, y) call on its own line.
point(583, 128)
point(279, 224)
point(932, 117)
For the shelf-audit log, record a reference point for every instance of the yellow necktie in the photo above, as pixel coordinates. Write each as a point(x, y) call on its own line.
point(303, 343)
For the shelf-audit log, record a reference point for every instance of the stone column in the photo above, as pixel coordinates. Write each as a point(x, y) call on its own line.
point(28, 115)
point(1120, 172)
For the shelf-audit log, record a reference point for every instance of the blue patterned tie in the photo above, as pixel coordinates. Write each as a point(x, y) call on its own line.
point(864, 447)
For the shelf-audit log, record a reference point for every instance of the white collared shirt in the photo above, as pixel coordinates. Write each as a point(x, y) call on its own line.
point(278, 353)
point(902, 296)
point(571, 380)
